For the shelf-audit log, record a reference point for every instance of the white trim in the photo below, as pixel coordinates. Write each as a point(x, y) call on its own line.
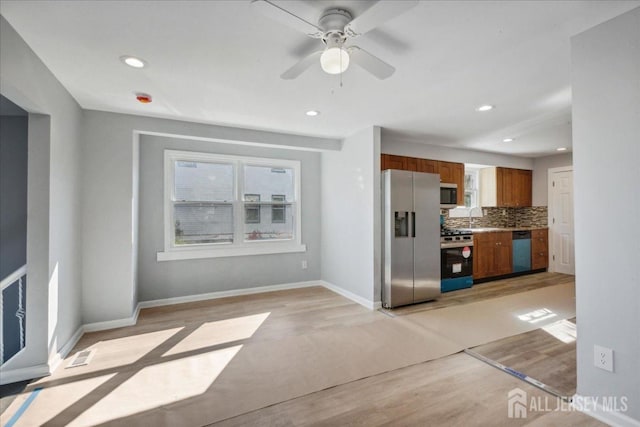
point(229, 293)
point(113, 324)
point(238, 247)
point(21, 374)
point(229, 251)
point(550, 243)
point(611, 418)
point(371, 305)
point(57, 358)
point(13, 277)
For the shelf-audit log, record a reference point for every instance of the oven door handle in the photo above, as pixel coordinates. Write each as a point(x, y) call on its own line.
point(455, 245)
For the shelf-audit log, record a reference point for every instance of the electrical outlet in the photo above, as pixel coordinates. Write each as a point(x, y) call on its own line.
point(603, 358)
point(304, 264)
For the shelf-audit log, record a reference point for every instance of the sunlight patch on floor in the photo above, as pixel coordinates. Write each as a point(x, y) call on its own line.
point(563, 330)
point(220, 332)
point(158, 385)
point(538, 315)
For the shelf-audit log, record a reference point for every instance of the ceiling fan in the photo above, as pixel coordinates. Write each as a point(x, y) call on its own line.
point(334, 28)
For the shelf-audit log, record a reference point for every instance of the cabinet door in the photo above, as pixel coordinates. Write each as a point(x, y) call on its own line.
point(483, 255)
point(458, 178)
point(523, 187)
point(445, 169)
point(505, 179)
point(539, 249)
point(411, 164)
point(427, 166)
point(503, 253)
point(389, 161)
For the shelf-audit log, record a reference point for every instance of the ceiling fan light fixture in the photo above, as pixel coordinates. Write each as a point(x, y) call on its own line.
point(334, 60)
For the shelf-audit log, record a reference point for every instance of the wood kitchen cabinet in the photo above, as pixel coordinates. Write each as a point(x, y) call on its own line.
point(539, 249)
point(491, 254)
point(505, 187)
point(450, 172)
point(453, 173)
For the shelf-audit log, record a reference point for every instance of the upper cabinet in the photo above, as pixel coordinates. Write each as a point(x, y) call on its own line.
point(450, 173)
point(505, 187)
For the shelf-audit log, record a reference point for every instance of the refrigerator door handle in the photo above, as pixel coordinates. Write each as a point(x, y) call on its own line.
point(413, 224)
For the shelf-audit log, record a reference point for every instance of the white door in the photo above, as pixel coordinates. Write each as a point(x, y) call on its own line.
point(561, 242)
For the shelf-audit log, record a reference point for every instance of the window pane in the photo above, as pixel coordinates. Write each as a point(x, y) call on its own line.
point(266, 180)
point(252, 212)
point(277, 211)
point(267, 229)
point(203, 223)
point(202, 181)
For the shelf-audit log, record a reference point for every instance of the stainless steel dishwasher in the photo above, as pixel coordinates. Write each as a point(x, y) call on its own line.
point(521, 251)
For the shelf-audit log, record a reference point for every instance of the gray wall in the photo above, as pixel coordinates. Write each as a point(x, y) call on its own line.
point(13, 193)
point(541, 166)
point(110, 199)
point(606, 153)
point(54, 255)
point(158, 280)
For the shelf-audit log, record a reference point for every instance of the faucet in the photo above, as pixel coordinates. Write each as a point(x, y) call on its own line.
point(470, 217)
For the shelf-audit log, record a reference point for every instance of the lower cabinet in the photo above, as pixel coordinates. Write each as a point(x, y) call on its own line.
point(539, 249)
point(492, 254)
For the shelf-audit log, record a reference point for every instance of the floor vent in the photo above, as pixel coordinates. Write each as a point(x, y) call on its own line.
point(82, 358)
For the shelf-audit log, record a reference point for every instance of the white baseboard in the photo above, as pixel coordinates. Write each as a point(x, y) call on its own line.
point(30, 372)
point(371, 305)
point(224, 294)
point(113, 324)
point(612, 418)
point(57, 358)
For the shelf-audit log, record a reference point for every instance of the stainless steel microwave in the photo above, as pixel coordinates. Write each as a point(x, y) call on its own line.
point(448, 195)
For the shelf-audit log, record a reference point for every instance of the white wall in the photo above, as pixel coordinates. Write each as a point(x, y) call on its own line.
point(110, 199)
point(158, 280)
point(351, 216)
point(606, 153)
point(53, 201)
point(541, 166)
point(389, 145)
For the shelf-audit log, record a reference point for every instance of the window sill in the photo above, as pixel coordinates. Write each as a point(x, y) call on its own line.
point(184, 254)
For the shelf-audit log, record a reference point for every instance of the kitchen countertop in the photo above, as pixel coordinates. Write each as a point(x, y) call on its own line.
point(494, 229)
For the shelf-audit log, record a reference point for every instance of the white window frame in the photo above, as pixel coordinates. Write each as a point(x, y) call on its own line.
point(239, 247)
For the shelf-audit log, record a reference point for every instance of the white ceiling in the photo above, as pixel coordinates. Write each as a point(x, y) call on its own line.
point(220, 61)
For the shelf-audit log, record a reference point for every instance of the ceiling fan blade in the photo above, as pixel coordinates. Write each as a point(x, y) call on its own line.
point(377, 14)
point(301, 66)
point(277, 13)
point(372, 64)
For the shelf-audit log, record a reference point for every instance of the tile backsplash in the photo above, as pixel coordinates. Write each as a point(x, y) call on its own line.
point(502, 217)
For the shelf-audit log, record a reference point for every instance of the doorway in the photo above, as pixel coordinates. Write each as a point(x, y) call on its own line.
point(561, 230)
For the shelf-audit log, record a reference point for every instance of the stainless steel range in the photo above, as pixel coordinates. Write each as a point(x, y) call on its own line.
point(456, 258)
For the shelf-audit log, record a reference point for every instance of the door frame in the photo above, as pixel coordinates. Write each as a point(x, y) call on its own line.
point(550, 172)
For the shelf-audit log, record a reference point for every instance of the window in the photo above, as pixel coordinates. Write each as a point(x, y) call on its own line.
point(278, 208)
point(219, 205)
point(471, 188)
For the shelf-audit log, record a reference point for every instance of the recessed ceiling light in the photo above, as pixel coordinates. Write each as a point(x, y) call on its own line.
point(561, 149)
point(312, 113)
point(507, 140)
point(485, 108)
point(132, 61)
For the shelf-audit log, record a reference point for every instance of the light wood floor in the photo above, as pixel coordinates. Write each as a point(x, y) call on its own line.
point(456, 390)
point(281, 331)
point(487, 290)
point(540, 355)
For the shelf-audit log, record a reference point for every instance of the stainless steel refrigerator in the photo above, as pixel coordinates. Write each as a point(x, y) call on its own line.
point(411, 238)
